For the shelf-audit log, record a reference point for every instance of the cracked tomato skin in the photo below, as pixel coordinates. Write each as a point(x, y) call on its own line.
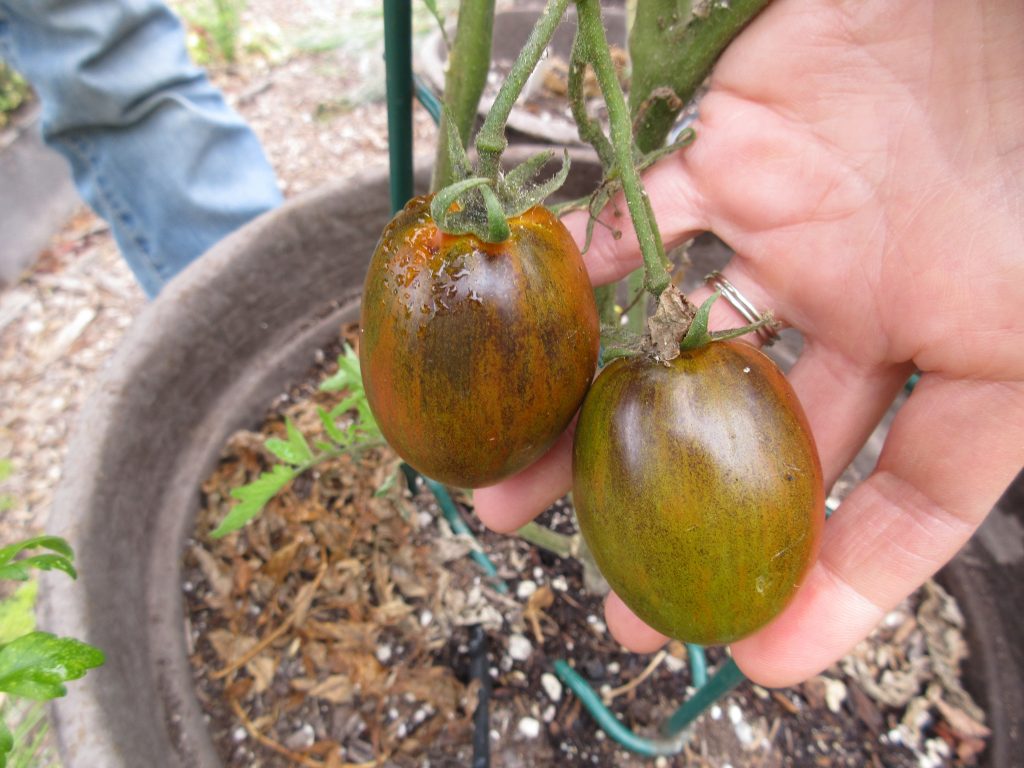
point(698, 489)
point(475, 356)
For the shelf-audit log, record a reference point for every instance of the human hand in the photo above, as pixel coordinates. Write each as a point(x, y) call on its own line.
point(865, 161)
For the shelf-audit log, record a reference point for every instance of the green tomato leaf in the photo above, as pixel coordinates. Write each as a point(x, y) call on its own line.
point(295, 450)
point(6, 744)
point(36, 666)
point(348, 376)
point(17, 612)
point(253, 497)
point(53, 543)
point(330, 427)
point(18, 570)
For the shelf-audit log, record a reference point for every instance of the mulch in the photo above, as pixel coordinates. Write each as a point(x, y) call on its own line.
point(335, 630)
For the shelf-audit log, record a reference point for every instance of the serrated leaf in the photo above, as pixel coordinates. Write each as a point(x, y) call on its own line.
point(36, 666)
point(53, 543)
point(253, 497)
point(348, 376)
point(295, 450)
point(19, 569)
point(330, 427)
point(17, 612)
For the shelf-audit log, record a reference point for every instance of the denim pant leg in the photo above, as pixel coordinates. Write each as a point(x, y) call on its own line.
point(153, 147)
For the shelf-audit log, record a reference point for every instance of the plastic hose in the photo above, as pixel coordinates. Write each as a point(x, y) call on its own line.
point(610, 724)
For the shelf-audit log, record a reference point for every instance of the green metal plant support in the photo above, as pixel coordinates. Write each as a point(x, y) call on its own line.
point(399, 83)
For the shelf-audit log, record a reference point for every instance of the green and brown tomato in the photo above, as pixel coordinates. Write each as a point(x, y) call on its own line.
point(698, 489)
point(475, 356)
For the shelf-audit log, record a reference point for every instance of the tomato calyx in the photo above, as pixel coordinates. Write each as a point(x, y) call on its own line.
point(676, 326)
point(481, 205)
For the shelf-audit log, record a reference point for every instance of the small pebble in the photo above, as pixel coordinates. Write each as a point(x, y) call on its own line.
point(238, 735)
point(735, 714)
point(614, 668)
point(425, 618)
point(538, 573)
point(384, 654)
point(525, 589)
point(715, 712)
point(552, 686)
point(674, 663)
point(661, 762)
point(302, 738)
point(549, 713)
point(529, 727)
point(559, 583)
point(744, 733)
point(519, 648)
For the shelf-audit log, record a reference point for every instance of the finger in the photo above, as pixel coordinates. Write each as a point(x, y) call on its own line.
point(628, 629)
point(512, 503)
point(952, 449)
point(614, 251)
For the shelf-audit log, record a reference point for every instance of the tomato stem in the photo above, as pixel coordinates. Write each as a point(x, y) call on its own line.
point(595, 46)
point(468, 63)
point(672, 47)
point(491, 141)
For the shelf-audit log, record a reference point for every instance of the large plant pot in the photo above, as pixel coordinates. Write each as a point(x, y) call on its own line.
point(204, 360)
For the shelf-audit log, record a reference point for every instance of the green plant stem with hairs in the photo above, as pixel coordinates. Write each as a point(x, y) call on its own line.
point(595, 46)
point(491, 141)
point(468, 64)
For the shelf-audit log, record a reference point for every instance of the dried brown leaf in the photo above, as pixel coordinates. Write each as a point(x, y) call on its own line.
point(216, 573)
point(336, 689)
point(279, 565)
point(963, 725)
point(262, 669)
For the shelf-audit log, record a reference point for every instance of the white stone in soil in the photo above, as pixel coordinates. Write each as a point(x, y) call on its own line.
point(835, 694)
point(519, 648)
point(525, 589)
point(715, 712)
point(529, 727)
point(735, 714)
point(674, 663)
point(384, 654)
point(302, 738)
point(745, 733)
point(552, 686)
point(559, 583)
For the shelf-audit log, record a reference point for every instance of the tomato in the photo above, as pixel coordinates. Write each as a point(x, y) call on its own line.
point(475, 356)
point(698, 489)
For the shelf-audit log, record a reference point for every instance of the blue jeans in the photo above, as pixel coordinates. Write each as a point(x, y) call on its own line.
point(153, 147)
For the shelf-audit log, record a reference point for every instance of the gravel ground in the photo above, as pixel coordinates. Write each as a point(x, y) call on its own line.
point(319, 115)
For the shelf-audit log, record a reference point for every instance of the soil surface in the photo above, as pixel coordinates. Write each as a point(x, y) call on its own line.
point(336, 629)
